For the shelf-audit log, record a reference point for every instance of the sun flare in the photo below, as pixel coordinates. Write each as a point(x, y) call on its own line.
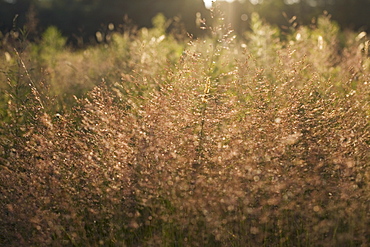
point(208, 3)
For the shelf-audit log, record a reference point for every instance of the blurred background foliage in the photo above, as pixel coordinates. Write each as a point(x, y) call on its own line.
point(80, 20)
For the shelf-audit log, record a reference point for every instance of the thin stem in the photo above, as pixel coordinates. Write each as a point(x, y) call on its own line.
point(34, 90)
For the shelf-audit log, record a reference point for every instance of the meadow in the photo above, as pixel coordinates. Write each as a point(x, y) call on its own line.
point(155, 138)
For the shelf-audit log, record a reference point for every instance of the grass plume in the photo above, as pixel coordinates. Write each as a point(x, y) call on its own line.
point(216, 141)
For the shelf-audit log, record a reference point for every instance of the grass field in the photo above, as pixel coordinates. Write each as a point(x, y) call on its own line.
point(156, 139)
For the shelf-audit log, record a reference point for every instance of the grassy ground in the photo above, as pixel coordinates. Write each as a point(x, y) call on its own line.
point(152, 140)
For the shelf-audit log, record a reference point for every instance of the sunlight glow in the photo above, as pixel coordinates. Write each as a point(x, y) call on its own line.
point(209, 3)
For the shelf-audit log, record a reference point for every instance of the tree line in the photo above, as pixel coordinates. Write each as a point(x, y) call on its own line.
point(79, 20)
point(349, 14)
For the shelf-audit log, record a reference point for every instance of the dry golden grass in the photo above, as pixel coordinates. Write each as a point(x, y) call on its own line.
point(234, 142)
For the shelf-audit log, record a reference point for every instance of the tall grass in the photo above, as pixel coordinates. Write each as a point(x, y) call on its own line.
point(217, 141)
